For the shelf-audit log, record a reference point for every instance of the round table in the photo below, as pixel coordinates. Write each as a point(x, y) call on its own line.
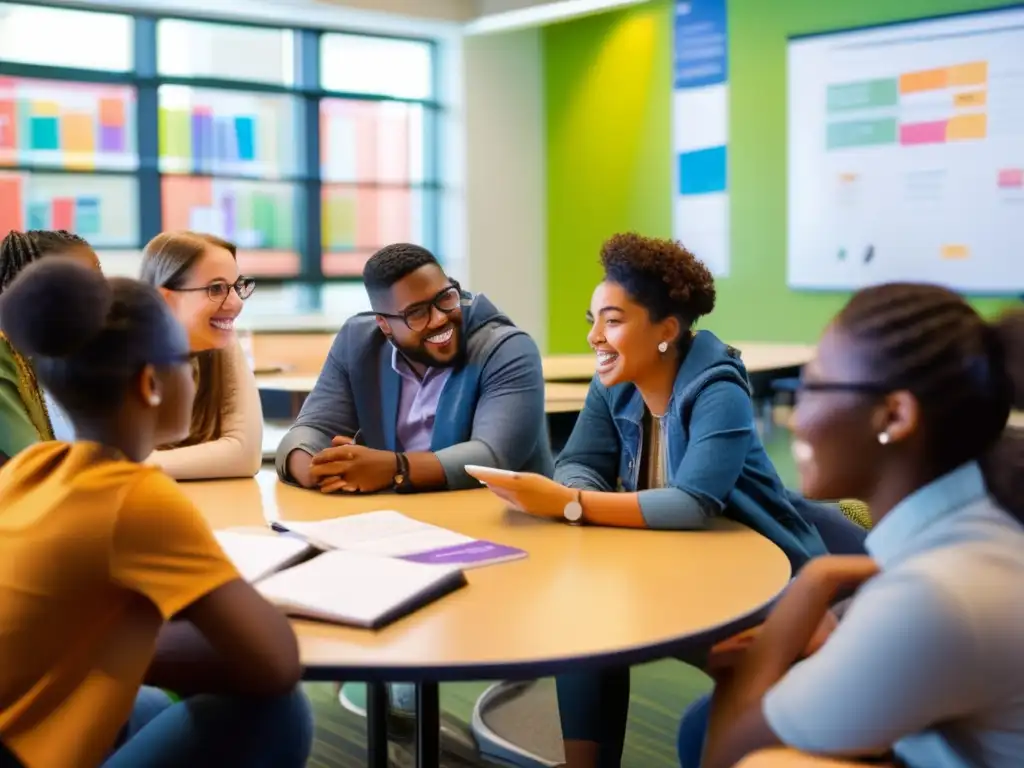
point(583, 598)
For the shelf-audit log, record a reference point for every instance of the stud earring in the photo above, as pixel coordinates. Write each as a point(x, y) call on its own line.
point(884, 438)
point(663, 347)
point(154, 400)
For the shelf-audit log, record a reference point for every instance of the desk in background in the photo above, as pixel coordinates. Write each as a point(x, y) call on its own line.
point(559, 398)
point(582, 599)
point(562, 402)
point(303, 354)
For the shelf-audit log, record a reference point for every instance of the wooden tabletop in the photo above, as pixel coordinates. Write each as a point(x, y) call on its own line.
point(781, 757)
point(758, 357)
point(583, 596)
point(761, 357)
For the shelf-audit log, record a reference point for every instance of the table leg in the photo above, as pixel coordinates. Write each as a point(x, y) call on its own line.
point(428, 726)
point(377, 725)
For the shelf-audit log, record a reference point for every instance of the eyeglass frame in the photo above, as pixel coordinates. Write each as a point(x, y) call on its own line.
point(209, 286)
point(428, 305)
point(858, 387)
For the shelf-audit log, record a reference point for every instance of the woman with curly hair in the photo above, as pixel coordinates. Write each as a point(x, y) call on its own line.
point(666, 440)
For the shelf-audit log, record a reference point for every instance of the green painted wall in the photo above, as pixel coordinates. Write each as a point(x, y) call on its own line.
point(608, 97)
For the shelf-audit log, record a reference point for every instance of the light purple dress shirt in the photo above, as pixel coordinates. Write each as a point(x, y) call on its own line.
point(417, 404)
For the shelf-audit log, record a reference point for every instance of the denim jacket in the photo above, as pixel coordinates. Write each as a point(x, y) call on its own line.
point(716, 463)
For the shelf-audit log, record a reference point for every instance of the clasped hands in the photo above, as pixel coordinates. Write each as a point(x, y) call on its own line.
point(352, 468)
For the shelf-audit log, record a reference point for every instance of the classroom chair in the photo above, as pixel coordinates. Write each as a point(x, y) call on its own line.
point(776, 387)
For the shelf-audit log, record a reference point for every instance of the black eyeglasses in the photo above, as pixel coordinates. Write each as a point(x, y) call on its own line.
point(417, 316)
point(218, 290)
point(861, 387)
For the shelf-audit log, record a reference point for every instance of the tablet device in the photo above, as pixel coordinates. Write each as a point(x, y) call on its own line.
point(490, 474)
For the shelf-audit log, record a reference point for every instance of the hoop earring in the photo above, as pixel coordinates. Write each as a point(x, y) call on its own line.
point(884, 438)
point(663, 347)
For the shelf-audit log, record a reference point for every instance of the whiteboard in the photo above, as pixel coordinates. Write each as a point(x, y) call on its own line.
point(906, 155)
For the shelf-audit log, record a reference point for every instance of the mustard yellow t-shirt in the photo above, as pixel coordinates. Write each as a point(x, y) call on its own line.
point(89, 546)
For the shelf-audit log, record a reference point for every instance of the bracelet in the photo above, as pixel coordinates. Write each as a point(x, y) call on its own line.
point(401, 482)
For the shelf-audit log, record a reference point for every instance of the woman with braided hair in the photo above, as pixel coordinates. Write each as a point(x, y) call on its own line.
point(27, 413)
point(906, 406)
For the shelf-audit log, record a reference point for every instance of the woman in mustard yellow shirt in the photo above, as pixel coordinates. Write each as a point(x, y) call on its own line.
point(110, 580)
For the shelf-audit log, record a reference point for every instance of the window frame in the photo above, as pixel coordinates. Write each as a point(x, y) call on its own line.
point(144, 78)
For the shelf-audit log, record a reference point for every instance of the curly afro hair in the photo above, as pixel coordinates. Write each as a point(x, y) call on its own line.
point(662, 275)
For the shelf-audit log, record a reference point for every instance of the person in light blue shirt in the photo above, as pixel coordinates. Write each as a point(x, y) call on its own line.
point(905, 406)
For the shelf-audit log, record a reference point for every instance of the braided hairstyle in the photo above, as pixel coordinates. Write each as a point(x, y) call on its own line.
point(19, 249)
point(966, 374)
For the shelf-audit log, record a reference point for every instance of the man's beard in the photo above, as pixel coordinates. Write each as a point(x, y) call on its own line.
point(420, 353)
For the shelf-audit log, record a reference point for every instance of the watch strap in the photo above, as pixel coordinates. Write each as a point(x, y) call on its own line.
point(401, 483)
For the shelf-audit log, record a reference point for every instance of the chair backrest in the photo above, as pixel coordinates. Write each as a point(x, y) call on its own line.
point(841, 536)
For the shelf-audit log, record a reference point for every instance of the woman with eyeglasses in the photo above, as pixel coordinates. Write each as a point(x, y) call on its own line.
point(906, 406)
point(27, 412)
point(197, 274)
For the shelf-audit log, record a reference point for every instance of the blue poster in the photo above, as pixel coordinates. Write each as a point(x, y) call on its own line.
point(700, 131)
point(701, 49)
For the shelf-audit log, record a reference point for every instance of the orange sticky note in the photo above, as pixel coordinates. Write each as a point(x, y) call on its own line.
point(10, 203)
point(112, 112)
point(180, 195)
point(955, 251)
point(78, 138)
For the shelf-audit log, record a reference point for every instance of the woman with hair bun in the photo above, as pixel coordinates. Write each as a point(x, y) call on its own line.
point(905, 406)
point(109, 577)
point(667, 439)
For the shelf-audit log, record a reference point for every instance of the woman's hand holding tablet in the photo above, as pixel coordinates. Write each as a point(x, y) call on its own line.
point(526, 491)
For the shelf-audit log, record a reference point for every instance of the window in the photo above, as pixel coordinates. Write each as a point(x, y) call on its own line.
point(216, 131)
point(102, 209)
point(197, 49)
point(73, 126)
point(360, 220)
point(258, 216)
point(371, 141)
point(376, 65)
point(59, 37)
point(309, 150)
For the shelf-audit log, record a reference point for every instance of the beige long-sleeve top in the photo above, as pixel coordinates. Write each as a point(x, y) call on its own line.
point(239, 450)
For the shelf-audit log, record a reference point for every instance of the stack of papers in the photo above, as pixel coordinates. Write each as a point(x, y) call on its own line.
point(364, 570)
point(392, 534)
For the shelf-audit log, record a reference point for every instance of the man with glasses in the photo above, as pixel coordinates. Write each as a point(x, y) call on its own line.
point(429, 381)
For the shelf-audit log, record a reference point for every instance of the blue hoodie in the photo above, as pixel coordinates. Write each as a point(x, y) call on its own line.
point(490, 412)
point(716, 463)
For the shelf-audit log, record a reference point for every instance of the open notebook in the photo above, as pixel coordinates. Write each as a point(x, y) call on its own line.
point(360, 589)
point(257, 555)
point(392, 534)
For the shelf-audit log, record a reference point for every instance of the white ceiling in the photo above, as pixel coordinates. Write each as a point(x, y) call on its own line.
point(440, 10)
